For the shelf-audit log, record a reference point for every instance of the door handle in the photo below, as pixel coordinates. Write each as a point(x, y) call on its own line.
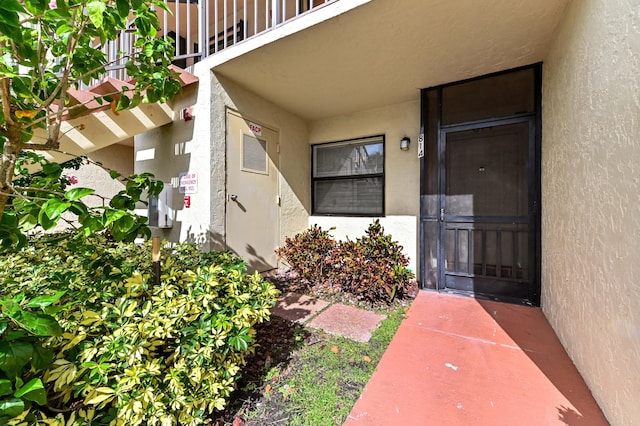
point(441, 215)
point(233, 197)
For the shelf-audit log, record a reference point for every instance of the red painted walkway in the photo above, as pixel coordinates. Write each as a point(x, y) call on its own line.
point(461, 361)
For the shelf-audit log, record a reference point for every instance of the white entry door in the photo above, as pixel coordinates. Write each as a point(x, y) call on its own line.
point(252, 213)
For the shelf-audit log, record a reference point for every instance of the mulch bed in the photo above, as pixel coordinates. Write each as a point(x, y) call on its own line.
point(278, 339)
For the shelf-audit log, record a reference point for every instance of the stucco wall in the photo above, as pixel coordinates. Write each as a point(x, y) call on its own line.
point(294, 160)
point(591, 198)
point(402, 170)
point(199, 146)
point(401, 228)
point(117, 157)
point(182, 146)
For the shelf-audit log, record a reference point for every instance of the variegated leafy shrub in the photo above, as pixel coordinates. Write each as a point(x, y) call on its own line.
point(131, 352)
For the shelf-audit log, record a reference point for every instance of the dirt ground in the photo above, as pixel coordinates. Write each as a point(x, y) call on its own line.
point(278, 339)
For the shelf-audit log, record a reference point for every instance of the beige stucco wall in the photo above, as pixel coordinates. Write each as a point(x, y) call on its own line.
point(199, 146)
point(402, 171)
point(182, 146)
point(591, 198)
point(117, 157)
point(294, 160)
point(401, 228)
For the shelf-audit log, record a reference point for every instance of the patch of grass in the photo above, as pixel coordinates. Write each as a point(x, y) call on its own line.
point(328, 374)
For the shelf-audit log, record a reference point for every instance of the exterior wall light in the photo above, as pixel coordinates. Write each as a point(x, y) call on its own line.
point(404, 144)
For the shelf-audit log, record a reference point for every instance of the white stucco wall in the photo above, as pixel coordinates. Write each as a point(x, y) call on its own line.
point(591, 198)
point(402, 171)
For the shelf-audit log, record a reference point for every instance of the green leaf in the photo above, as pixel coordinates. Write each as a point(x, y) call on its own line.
point(123, 8)
point(126, 223)
point(78, 208)
point(11, 407)
point(44, 301)
point(54, 208)
point(40, 324)
point(15, 335)
point(33, 391)
point(12, 30)
point(123, 227)
point(61, 11)
point(114, 174)
point(45, 222)
point(148, 50)
point(112, 215)
point(96, 9)
point(10, 306)
point(4, 324)
point(28, 222)
point(11, 6)
point(36, 7)
point(135, 101)
point(77, 193)
point(123, 103)
point(14, 356)
point(42, 358)
point(51, 168)
point(131, 67)
point(21, 86)
point(143, 25)
point(6, 388)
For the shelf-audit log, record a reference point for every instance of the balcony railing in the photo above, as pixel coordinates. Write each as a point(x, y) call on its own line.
point(202, 28)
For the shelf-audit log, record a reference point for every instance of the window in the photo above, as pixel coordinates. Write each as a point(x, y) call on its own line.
point(348, 177)
point(254, 154)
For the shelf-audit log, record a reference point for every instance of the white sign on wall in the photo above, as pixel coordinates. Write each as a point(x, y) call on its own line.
point(421, 145)
point(256, 129)
point(188, 183)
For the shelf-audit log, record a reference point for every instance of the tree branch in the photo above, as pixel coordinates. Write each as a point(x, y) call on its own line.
point(17, 195)
point(6, 103)
point(54, 131)
point(33, 189)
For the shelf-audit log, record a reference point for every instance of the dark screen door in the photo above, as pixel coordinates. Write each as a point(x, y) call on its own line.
point(486, 235)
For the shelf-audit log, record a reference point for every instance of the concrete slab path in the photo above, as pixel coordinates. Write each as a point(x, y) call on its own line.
point(297, 307)
point(348, 321)
point(460, 361)
point(356, 324)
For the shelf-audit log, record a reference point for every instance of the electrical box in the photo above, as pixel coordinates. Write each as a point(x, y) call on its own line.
point(160, 213)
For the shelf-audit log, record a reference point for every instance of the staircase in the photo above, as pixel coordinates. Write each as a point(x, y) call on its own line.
point(92, 126)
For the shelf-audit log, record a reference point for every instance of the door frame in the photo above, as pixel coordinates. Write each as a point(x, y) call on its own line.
point(534, 184)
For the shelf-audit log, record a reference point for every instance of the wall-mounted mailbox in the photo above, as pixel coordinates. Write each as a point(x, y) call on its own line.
point(161, 208)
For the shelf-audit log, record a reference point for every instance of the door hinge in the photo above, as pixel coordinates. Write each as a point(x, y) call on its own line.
point(441, 215)
point(278, 199)
point(278, 148)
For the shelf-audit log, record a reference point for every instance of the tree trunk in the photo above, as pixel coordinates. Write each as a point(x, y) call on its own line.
point(10, 153)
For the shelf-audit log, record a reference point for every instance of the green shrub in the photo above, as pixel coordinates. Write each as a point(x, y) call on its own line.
point(131, 352)
point(372, 268)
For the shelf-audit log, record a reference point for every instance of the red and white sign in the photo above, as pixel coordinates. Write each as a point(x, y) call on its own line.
point(187, 201)
point(188, 183)
point(256, 129)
